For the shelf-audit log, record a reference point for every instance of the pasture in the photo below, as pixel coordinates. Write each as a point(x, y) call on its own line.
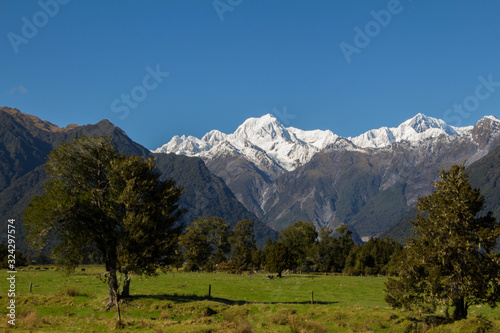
point(179, 302)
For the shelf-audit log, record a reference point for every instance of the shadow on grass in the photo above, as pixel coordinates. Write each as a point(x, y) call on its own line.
point(194, 298)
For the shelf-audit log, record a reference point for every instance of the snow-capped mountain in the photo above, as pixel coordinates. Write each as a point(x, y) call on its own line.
point(275, 175)
point(264, 141)
point(415, 129)
point(268, 144)
point(370, 182)
point(282, 174)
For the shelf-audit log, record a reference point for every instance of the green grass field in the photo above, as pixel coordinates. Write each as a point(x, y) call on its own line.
point(178, 302)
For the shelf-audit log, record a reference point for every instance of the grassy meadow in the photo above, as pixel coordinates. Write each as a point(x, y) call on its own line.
point(179, 302)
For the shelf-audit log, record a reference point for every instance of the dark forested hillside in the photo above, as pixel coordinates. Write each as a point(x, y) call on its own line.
point(484, 174)
point(207, 195)
point(25, 142)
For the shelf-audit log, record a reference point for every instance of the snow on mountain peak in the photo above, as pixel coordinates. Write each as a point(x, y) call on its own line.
point(213, 137)
point(492, 118)
point(287, 147)
point(415, 129)
point(421, 123)
point(317, 138)
point(265, 140)
point(266, 128)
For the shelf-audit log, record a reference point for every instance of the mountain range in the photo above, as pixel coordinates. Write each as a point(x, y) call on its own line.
point(369, 182)
point(276, 175)
point(25, 142)
point(265, 141)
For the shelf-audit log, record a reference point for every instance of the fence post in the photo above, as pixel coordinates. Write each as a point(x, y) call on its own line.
point(209, 291)
point(312, 297)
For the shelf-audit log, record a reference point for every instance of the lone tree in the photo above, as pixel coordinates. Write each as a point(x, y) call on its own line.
point(98, 198)
point(451, 262)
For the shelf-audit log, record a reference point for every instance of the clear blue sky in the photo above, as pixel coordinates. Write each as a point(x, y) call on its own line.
point(246, 58)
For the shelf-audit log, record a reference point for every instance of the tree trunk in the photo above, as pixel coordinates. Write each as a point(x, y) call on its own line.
point(113, 288)
point(118, 311)
point(460, 311)
point(126, 285)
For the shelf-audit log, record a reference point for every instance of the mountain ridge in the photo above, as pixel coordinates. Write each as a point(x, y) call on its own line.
point(289, 147)
point(368, 187)
point(339, 180)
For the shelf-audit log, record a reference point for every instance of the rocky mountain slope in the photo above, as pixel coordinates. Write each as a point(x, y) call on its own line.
point(484, 174)
point(368, 182)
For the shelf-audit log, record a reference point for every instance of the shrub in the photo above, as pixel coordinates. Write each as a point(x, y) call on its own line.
point(73, 291)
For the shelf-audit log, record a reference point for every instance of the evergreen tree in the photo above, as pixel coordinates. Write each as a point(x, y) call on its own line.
point(205, 242)
point(451, 262)
point(258, 259)
point(242, 240)
point(97, 198)
point(148, 214)
point(373, 258)
point(299, 238)
point(277, 257)
point(322, 251)
point(342, 247)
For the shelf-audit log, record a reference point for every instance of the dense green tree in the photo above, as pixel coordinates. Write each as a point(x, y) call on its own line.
point(343, 247)
point(373, 258)
point(321, 253)
point(299, 238)
point(17, 257)
point(148, 214)
point(451, 262)
point(330, 252)
point(258, 259)
point(196, 245)
point(205, 242)
point(277, 257)
point(99, 199)
point(242, 240)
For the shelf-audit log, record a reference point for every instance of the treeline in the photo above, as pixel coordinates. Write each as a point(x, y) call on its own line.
point(15, 257)
point(208, 245)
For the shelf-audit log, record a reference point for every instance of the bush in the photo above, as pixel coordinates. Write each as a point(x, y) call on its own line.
point(72, 291)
